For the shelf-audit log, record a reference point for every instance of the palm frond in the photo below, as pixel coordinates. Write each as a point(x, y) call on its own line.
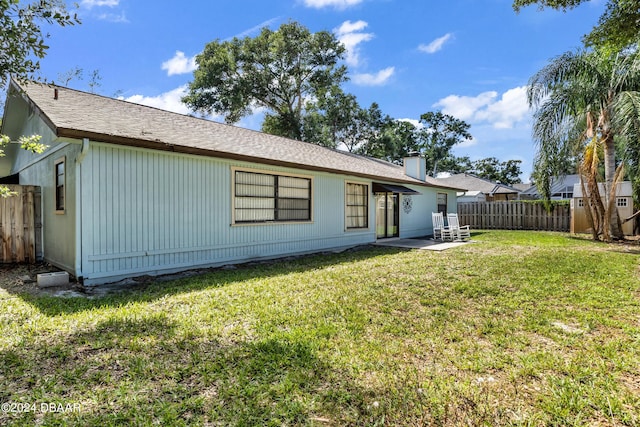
point(626, 119)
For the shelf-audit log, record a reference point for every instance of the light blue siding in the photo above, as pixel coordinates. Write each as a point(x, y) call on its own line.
point(58, 230)
point(416, 222)
point(149, 212)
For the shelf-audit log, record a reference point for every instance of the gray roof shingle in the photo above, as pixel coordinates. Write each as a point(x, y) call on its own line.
point(470, 182)
point(75, 114)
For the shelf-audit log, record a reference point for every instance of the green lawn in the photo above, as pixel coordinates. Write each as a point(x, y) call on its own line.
point(519, 328)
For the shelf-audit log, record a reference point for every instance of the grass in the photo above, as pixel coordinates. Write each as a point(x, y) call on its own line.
point(519, 328)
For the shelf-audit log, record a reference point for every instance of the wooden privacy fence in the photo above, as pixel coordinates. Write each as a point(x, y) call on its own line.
point(20, 225)
point(515, 215)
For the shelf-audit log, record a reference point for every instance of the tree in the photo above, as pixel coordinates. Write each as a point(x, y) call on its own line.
point(329, 117)
point(507, 172)
point(617, 28)
point(22, 43)
point(396, 140)
point(579, 98)
point(22, 46)
point(438, 136)
point(337, 119)
point(281, 71)
point(455, 165)
point(366, 125)
point(630, 149)
point(77, 73)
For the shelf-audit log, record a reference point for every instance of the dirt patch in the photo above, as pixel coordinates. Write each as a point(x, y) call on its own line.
point(21, 278)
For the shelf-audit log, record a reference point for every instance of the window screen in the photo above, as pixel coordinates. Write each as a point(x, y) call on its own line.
point(60, 183)
point(263, 197)
point(357, 206)
point(442, 203)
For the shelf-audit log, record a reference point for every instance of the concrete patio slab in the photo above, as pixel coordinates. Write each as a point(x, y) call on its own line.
point(426, 244)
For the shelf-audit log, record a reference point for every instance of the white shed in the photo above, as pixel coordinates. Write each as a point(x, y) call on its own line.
point(624, 203)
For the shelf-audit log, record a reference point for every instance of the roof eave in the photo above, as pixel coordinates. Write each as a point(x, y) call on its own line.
point(163, 146)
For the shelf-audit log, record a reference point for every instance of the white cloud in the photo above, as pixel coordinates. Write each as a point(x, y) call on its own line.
point(467, 143)
point(435, 45)
point(507, 111)
point(337, 4)
point(99, 3)
point(179, 64)
point(465, 107)
point(114, 17)
point(120, 18)
point(170, 101)
point(377, 79)
point(501, 112)
point(349, 27)
point(351, 35)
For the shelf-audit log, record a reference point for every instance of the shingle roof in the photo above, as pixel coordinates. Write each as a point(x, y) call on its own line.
point(471, 182)
point(75, 114)
point(559, 184)
point(522, 186)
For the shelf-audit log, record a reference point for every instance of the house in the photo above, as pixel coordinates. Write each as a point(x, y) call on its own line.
point(131, 190)
point(624, 204)
point(522, 187)
point(561, 188)
point(479, 189)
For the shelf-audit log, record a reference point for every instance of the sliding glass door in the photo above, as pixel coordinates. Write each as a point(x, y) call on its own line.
point(387, 215)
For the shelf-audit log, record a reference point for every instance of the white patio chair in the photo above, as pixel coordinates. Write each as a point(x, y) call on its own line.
point(440, 231)
point(460, 232)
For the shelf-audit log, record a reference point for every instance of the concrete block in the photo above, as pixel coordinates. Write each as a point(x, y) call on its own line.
point(58, 278)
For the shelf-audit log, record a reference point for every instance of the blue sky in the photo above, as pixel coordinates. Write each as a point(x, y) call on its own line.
point(469, 58)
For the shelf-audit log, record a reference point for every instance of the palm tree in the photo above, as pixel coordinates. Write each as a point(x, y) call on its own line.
point(582, 96)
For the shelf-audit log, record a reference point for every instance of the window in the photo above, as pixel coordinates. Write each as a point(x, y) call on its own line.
point(621, 202)
point(261, 197)
point(442, 203)
point(60, 185)
point(581, 203)
point(565, 193)
point(357, 206)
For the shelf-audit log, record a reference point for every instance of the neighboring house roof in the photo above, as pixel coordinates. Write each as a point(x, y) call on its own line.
point(522, 187)
point(75, 114)
point(559, 186)
point(476, 184)
point(470, 193)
